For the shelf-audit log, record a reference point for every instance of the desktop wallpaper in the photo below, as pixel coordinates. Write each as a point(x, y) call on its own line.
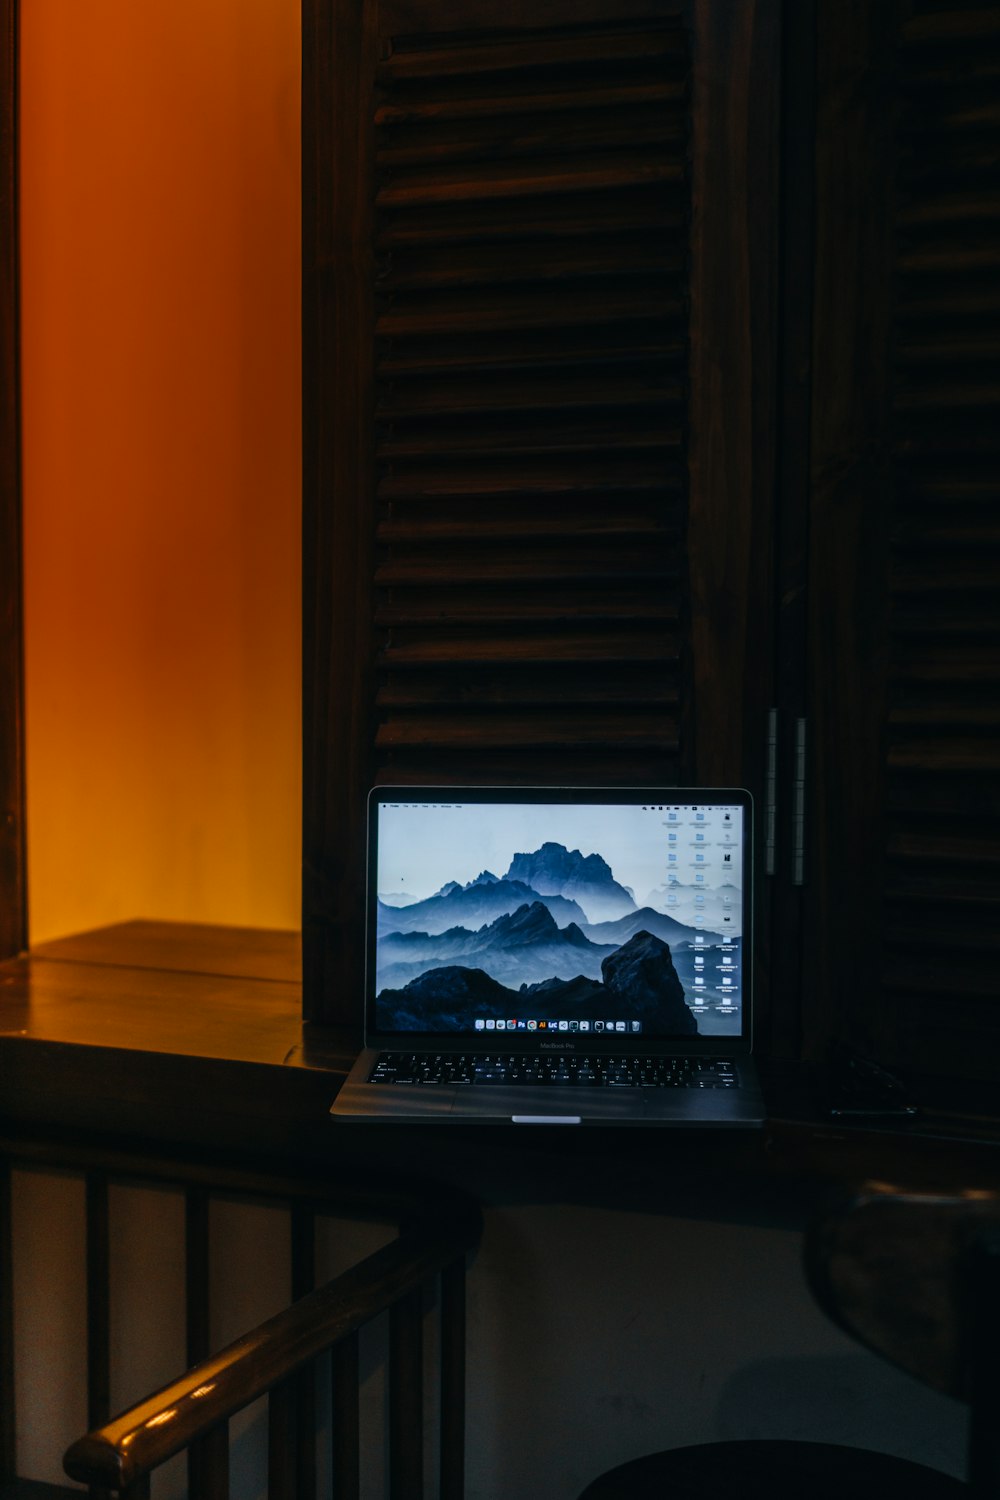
point(493, 917)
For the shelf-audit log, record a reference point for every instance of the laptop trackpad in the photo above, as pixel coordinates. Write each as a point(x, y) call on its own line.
point(546, 1119)
point(548, 1106)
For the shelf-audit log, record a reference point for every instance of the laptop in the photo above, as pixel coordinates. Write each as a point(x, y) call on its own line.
point(557, 956)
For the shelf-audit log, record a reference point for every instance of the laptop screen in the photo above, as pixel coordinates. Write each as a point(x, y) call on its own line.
point(499, 912)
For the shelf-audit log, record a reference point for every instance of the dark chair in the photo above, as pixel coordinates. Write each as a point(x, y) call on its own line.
point(914, 1277)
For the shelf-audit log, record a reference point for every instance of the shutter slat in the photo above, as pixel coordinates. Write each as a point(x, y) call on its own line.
point(509, 441)
point(532, 351)
point(948, 260)
point(493, 265)
point(410, 60)
point(488, 529)
point(495, 565)
point(442, 398)
point(945, 754)
point(944, 846)
point(479, 732)
point(947, 978)
point(975, 714)
point(459, 652)
point(461, 606)
point(920, 534)
point(950, 209)
point(437, 481)
point(949, 397)
point(593, 128)
point(533, 177)
point(646, 209)
point(519, 685)
point(592, 765)
point(936, 888)
point(659, 92)
point(977, 618)
point(915, 576)
point(952, 25)
point(551, 309)
point(975, 665)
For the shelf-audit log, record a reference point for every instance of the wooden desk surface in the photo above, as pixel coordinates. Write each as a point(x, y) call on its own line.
point(175, 1031)
point(191, 1035)
point(157, 987)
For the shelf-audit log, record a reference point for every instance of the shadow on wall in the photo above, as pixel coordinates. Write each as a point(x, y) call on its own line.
point(853, 1399)
point(596, 1337)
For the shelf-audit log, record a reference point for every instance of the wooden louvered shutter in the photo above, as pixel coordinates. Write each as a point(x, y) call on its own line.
point(942, 746)
point(906, 537)
point(496, 260)
point(531, 230)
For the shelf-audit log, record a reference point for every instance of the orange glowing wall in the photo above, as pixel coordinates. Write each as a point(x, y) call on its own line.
point(161, 403)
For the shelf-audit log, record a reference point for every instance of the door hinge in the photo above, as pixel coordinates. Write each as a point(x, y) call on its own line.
point(799, 806)
point(771, 793)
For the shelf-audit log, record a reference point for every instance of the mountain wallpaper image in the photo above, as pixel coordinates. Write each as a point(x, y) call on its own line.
point(556, 937)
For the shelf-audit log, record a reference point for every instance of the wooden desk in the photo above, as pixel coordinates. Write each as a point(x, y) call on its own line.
point(177, 1036)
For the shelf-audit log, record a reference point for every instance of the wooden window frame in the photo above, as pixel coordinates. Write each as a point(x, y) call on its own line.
point(13, 855)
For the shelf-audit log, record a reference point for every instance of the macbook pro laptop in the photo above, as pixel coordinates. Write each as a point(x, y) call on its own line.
point(557, 956)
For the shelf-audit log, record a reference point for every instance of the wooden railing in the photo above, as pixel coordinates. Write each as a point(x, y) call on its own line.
point(278, 1360)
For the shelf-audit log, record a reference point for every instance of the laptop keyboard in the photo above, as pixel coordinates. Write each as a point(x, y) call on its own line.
point(609, 1071)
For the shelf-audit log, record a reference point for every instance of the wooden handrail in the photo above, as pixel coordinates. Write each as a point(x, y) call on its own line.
point(147, 1434)
point(385, 1199)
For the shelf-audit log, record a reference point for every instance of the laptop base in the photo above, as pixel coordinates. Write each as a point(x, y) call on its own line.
point(738, 1108)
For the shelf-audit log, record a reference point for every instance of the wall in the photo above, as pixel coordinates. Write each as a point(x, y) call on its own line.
point(161, 383)
point(593, 1337)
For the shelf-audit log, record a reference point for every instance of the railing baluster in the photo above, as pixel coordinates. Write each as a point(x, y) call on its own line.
point(303, 1230)
point(303, 1227)
point(452, 1423)
point(344, 1435)
point(8, 1421)
point(281, 1441)
point(208, 1465)
point(196, 1274)
point(406, 1398)
point(98, 1300)
point(98, 1255)
point(208, 1458)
